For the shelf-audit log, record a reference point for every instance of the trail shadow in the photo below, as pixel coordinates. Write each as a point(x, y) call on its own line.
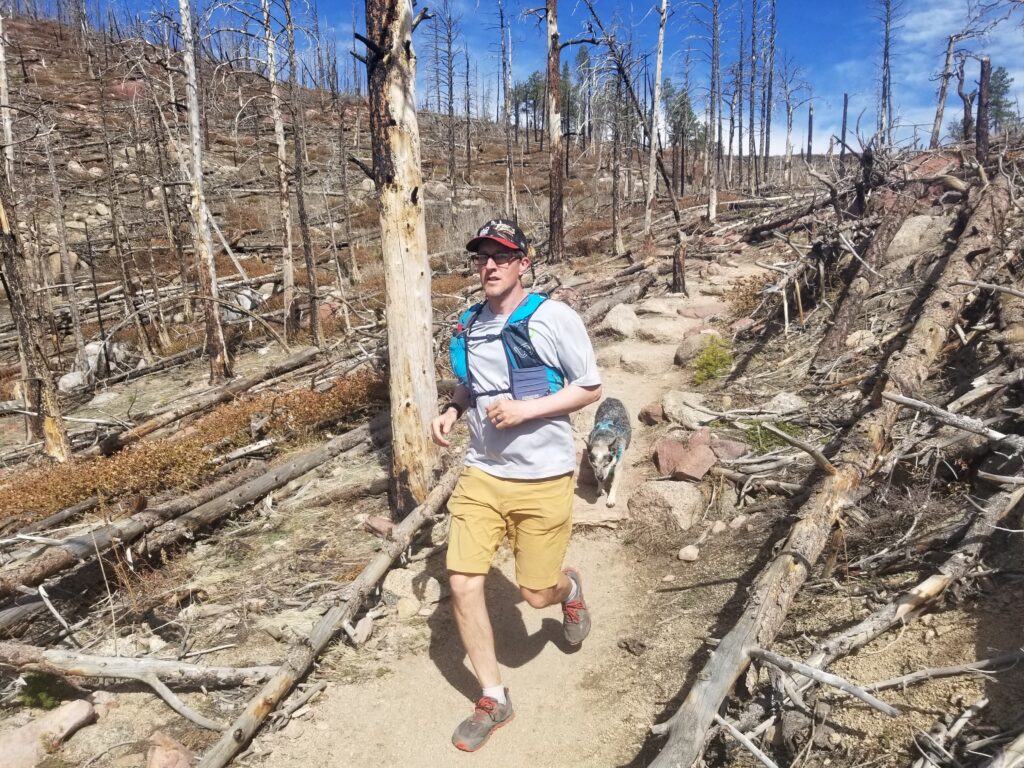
point(513, 644)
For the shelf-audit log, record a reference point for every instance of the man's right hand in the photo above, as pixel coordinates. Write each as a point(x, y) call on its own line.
point(441, 425)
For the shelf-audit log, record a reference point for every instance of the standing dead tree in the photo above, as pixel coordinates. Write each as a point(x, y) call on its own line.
point(556, 145)
point(394, 131)
point(861, 456)
point(220, 361)
point(507, 109)
point(653, 132)
point(40, 391)
point(945, 76)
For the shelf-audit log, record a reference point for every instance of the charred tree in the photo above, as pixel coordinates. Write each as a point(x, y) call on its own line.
point(981, 132)
point(652, 181)
point(394, 131)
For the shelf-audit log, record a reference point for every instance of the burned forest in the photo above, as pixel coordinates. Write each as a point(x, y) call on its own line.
point(233, 254)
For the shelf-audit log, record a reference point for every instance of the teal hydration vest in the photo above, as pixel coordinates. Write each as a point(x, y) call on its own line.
point(529, 376)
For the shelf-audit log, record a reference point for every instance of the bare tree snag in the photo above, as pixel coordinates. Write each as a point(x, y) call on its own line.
point(298, 140)
point(283, 199)
point(966, 98)
point(220, 361)
point(834, 341)
point(511, 206)
point(391, 73)
point(981, 140)
point(653, 131)
point(556, 151)
point(40, 390)
point(773, 592)
point(5, 107)
point(303, 654)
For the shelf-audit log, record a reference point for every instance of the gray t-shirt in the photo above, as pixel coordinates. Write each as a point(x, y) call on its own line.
point(541, 447)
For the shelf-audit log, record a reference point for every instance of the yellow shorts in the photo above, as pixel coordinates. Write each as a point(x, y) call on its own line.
point(536, 515)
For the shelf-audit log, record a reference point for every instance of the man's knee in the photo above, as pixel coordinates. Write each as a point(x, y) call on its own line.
point(466, 586)
point(537, 598)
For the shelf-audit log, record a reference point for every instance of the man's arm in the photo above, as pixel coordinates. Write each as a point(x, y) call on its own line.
point(511, 413)
point(441, 425)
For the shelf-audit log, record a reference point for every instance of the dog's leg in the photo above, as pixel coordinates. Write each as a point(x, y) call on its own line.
point(615, 484)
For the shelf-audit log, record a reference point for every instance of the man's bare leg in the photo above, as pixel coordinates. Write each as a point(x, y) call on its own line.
point(542, 598)
point(470, 609)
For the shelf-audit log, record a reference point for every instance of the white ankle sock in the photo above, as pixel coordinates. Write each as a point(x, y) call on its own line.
point(574, 590)
point(497, 693)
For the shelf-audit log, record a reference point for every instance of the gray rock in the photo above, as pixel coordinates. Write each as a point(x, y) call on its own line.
point(72, 381)
point(689, 553)
point(621, 321)
point(677, 501)
point(785, 402)
point(917, 236)
point(27, 746)
point(406, 582)
point(408, 607)
point(645, 361)
point(719, 527)
point(661, 305)
point(691, 346)
point(681, 408)
point(666, 330)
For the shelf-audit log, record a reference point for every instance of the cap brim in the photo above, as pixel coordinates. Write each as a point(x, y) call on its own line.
point(473, 244)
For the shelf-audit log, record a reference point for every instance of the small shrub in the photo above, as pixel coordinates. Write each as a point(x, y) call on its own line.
point(714, 361)
point(44, 691)
point(762, 441)
point(746, 295)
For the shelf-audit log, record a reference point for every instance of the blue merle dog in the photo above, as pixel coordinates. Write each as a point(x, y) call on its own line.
point(607, 444)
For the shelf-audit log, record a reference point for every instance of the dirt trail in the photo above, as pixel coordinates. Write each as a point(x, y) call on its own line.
point(583, 708)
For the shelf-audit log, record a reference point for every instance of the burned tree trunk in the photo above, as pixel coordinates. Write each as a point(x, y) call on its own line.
point(220, 361)
point(391, 73)
point(511, 206)
point(556, 149)
point(284, 202)
point(966, 98)
point(652, 181)
point(940, 107)
point(40, 391)
point(981, 140)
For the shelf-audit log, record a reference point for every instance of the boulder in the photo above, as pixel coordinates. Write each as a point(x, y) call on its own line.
point(652, 414)
point(918, 235)
point(101, 209)
point(78, 170)
point(437, 191)
point(408, 607)
point(685, 461)
point(785, 402)
point(661, 305)
point(859, 341)
point(689, 553)
point(27, 746)
point(743, 324)
point(676, 502)
point(367, 186)
point(692, 345)
point(666, 330)
point(683, 408)
point(165, 752)
point(621, 321)
point(69, 382)
point(406, 582)
point(704, 309)
point(726, 449)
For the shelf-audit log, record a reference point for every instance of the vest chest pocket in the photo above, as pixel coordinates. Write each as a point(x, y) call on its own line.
point(530, 383)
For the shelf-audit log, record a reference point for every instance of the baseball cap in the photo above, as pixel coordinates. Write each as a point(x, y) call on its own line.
point(503, 231)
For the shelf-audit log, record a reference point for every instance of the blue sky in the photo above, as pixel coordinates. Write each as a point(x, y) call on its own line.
point(837, 45)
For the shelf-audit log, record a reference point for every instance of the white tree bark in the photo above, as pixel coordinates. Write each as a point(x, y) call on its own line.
point(652, 180)
point(394, 131)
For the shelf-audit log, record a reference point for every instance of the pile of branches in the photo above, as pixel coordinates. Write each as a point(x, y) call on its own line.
point(912, 363)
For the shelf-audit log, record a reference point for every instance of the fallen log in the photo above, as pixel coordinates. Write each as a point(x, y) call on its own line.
point(773, 592)
point(204, 516)
point(864, 280)
point(632, 292)
point(156, 673)
point(79, 549)
point(1010, 756)
point(63, 516)
point(303, 654)
point(119, 440)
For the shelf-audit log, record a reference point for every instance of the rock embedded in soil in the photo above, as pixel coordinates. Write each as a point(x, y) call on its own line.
point(785, 403)
point(693, 345)
point(666, 330)
point(689, 553)
point(719, 527)
point(703, 309)
point(652, 414)
point(738, 522)
point(408, 607)
point(682, 408)
point(621, 321)
point(689, 461)
point(166, 752)
point(642, 362)
point(27, 746)
point(656, 502)
point(726, 449)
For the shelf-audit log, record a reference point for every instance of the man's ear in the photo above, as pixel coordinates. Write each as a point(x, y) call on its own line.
point(524, 265)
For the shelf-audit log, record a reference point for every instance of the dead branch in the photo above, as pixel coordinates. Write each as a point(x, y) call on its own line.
point(814, 453)
point(965, 423)
point(938, 673)
point(156, 673)
point(773, 592)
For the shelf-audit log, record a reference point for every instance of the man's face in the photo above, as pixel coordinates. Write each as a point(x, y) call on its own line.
point(499, 268)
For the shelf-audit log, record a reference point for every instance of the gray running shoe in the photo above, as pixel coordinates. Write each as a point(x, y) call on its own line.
point(488, 717)
point(575, 616)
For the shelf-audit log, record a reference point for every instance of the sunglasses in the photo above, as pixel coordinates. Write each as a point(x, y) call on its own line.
point(499, 259)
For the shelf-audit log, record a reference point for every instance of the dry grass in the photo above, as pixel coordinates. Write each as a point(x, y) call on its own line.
point(745, 295)
point(185, 460)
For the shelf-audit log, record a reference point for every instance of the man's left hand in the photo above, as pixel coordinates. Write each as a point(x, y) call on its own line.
point(504, 414)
